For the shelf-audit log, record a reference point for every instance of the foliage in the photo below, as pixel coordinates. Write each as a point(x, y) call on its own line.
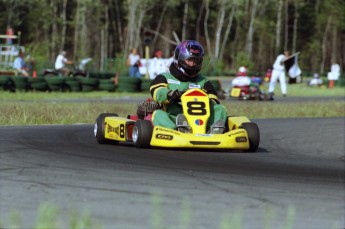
point(104, 29)
point(242, 59)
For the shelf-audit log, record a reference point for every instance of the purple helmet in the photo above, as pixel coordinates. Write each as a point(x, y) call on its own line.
point(189, 49)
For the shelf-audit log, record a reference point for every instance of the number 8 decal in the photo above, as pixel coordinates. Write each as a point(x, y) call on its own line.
point(122, 130)
point(196, 108)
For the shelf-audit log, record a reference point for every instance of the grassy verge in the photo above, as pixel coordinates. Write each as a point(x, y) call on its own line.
point(18, 113)
point(31, 108)
point(49, 216)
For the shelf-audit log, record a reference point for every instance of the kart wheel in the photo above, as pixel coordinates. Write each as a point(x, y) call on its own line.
point(253, 135)
point(99, 129)
point(142, 133)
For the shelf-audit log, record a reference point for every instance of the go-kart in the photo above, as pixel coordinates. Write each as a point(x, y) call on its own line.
point(239, 134)
point(250, 90)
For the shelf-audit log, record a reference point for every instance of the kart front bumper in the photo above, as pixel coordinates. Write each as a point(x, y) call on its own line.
point(234, 139)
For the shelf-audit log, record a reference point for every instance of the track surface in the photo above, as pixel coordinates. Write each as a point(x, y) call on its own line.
point(298, 173)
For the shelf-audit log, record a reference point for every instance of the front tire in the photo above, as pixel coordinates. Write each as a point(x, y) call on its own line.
point(99, 129)
point(142, 133)
point(253, 135)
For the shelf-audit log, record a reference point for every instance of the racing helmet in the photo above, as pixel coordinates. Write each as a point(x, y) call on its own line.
point(189, 49)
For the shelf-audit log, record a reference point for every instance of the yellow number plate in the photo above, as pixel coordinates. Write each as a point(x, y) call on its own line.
point(235, 92)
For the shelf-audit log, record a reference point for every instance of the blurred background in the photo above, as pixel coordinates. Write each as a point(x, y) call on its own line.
point(233, 32)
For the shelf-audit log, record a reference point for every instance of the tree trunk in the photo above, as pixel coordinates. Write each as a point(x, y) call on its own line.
point(54, 29)
point(119, 26)
point(220, 23)
point(286, 33)
point(184, 22)
point(207, 36)
point(161, 17)
point(227, 31)
point(250, 34)
point(334, 44)
point(104, 38)
point(324, 40)
point(278, 26)
point(197, 32)
point(131, 26)
point(295, 24)
point(76, 30)
point(64, 23)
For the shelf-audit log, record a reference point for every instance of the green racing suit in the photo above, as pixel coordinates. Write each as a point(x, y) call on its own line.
point(166, 82)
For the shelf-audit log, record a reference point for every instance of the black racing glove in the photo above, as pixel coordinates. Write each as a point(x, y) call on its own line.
point(174, 96)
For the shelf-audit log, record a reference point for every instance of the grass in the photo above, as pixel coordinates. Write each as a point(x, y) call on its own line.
point(32, 108)
point(48, 216)
point(35, 113)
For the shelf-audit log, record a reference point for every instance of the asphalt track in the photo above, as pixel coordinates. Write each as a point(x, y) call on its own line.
point(295, 180)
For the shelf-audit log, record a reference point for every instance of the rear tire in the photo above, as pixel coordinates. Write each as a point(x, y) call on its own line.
point(99, 129)
point(142, 133)
point(253, 135)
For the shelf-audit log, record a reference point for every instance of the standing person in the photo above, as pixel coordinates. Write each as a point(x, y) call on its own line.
point(19, 65)
point(9, 32)
point(157, 64)
point(278, 73)
point(133, 62)
point(183, 74)
point(60, 62)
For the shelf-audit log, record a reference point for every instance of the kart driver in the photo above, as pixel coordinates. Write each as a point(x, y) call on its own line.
point(183, 73)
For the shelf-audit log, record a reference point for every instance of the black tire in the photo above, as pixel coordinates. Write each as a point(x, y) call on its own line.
point(253, 135)
point(142, 134)
point(99, 129)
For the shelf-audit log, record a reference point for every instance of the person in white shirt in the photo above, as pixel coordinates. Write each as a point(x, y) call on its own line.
point(60, 62)
point(19, 65)
point(241, 78)
point(278, 73)
point(133, 62)
point(157, 64)
point(334, 73)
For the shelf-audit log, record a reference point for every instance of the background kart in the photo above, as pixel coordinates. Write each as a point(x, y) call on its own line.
point(239, 134)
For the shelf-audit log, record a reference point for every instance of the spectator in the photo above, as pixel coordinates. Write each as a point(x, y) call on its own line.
point(167, 87)
point(335, 72)
point(278, 73)
point(133, 62)
point(316, 81)
point(157, 64)
point(19, 65)
point(60, 62)
point(9, 32)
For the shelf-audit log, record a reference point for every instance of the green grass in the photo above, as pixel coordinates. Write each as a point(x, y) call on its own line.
point(304, 90)
point(31, 108)
point(48, 216)
point(24, 113)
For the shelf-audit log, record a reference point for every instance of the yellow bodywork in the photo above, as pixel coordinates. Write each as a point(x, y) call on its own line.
point(235, 138)
point(235, 92)
point(118, 128)
point(196, 105)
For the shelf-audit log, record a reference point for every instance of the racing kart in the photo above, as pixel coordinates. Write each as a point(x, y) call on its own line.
point(251, 91)
point(239, 134)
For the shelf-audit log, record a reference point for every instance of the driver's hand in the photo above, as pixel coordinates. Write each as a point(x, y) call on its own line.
point(174, 95)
